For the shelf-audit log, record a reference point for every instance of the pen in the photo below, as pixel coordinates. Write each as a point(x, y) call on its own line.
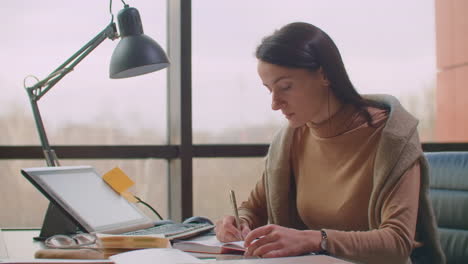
point(234, 208)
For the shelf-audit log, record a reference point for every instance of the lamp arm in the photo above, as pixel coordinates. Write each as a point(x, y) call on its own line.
point(36, 91)
point(43, 86)
point(49, 153)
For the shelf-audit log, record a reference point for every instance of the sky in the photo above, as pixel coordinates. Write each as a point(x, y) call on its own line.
point(387, 47)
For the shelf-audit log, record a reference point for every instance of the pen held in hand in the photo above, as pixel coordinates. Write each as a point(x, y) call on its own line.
point(234, 208)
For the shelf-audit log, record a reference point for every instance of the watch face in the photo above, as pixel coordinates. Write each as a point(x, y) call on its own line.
point(323, 244)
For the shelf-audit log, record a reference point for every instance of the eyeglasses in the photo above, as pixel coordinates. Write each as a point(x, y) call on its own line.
point(77, 241)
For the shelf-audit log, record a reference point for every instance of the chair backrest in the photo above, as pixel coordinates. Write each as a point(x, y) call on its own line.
point(449, 196)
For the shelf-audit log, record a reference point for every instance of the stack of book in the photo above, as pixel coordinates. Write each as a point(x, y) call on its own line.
point(115, 244)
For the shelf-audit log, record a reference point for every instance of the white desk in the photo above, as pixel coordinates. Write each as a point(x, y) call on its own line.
point(20, 244)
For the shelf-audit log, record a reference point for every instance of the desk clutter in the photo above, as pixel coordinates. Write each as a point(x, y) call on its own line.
point(102, 247)
point(17, 242)
point(120, 249)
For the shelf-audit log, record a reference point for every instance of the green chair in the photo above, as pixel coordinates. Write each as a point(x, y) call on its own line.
point(449, 196)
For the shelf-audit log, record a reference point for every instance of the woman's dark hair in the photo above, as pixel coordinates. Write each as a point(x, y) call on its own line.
point(302, 45)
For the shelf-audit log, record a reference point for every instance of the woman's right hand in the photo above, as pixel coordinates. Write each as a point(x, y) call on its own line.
point(226, 230)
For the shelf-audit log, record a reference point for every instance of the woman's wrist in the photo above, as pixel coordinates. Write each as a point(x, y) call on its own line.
point(313, 239)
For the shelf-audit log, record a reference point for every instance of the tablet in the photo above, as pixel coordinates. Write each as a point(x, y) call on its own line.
point(87, 199)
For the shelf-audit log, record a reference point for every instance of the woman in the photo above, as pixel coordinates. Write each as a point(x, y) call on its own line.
point(346, 177)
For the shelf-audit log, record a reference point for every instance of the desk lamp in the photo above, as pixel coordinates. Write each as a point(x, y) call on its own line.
point(135, 54)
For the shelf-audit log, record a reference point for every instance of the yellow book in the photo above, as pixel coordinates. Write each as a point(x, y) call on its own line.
point(111, 245)
point(129, 242)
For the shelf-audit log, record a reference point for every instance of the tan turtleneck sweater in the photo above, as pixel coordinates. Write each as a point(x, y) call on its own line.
point(333, 165)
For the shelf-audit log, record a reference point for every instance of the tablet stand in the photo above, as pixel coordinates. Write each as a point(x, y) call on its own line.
point(55, 222)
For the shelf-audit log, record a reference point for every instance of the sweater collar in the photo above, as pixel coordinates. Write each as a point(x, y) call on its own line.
point(338, 124)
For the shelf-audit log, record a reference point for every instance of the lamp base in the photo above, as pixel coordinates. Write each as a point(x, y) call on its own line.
point(56, 222)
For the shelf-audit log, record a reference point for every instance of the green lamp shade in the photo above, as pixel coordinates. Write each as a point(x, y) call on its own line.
point(136, 53)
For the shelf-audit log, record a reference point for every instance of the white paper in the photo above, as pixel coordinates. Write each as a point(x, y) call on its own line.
point(154, 255)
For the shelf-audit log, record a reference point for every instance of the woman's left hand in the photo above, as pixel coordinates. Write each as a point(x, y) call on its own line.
point(273, 241)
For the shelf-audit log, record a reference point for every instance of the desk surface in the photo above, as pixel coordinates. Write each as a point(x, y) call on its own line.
point(21, 246)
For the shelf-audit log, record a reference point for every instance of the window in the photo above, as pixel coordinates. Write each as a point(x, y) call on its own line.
point(387, 47)
point(214, 177)
point(86, 106)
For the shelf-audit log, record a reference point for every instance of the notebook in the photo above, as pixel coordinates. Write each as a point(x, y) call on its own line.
point(209, 244)
point(90, 203)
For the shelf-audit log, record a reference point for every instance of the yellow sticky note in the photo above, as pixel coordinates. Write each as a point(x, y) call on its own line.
point(118, 180)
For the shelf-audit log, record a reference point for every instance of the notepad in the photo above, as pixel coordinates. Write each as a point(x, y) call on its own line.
point(209, 244)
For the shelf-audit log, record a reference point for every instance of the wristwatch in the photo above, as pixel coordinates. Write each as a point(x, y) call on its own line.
point(324, 242)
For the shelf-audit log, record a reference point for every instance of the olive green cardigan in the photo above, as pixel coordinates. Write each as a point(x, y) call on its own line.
point(399, 148)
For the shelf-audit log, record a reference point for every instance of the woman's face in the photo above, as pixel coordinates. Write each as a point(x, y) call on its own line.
point(300, 94)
